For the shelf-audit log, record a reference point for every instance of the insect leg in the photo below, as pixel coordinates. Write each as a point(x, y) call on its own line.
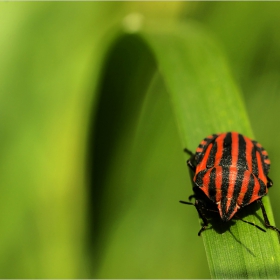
point(192, 196)
point(190, 162)
point(190, 165)
point(269, 182)
point(250, 223)
point(266, 221)
point(199, 208)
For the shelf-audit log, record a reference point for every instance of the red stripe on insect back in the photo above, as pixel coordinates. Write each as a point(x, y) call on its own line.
point(259, 145)
point(218, 182)
point(202, 164)
point(220, 147)
point(232, 179)
point(244, 188)
point(267, 161)
point(265, 157)
point(262, 176)
point(203, 142)
point(200, 148)
point(206, 180)
point(249, 147)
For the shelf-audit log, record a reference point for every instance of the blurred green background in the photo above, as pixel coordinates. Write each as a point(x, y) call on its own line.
point(90, 187)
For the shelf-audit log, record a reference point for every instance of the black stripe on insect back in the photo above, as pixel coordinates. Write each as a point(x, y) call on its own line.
point(199, 178)
point(254, 160)
point(212, 185)
point(262, 190)
point(211, 158)
point(263, 157)
point(241, 161)
point(226, 159)
point(249, 192)
point(199, 155)
point(224, 188)
point(266, 165)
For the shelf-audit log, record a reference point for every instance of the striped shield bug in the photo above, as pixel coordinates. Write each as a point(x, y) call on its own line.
point(230, 172)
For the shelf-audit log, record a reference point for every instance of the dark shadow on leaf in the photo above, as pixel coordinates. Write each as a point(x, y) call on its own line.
point(246, 248)
point(120, 94)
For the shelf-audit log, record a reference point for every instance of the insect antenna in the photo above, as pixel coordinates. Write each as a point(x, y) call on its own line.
point(201, 207)
point(188, 152)
point(186, 202)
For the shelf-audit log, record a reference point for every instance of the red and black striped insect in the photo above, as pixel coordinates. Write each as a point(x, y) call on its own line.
point(230, 172)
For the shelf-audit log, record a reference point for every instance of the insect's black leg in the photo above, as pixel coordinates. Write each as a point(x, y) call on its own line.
point(250, 223)
point(190, 165)
point(269, 182)
point(190, 161)
point(266, 221)
point(202, 216)
point(191, 197)
point(199, 208)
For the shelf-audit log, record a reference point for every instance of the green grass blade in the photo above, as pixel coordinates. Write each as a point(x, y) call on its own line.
point(204, 99)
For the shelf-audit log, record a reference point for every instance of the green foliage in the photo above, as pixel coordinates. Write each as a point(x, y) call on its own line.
point(98, 102)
